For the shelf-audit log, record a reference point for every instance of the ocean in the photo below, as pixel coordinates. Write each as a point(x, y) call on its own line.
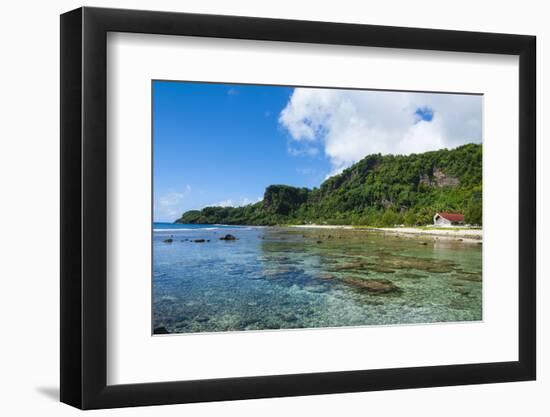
point(286, 278)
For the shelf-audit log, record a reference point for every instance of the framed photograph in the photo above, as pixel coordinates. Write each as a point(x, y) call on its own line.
point(257, 208)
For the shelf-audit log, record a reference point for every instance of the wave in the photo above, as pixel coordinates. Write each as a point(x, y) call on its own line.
point(199, 229)
point(181, 229)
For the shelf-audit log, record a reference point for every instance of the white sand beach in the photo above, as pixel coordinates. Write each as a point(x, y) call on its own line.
point(465, 235)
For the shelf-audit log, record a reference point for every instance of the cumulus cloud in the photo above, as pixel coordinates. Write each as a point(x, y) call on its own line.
point(349, 124)
point(302, 149)
point(243, 201)
point(169, 206)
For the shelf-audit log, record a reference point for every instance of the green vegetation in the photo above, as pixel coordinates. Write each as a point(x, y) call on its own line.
point(376, 191)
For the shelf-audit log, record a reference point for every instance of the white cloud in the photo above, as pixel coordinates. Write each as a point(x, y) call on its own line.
point(302, 150)
point(243, 201)
point(169, 206)
point(350, 124)
point(224, 203)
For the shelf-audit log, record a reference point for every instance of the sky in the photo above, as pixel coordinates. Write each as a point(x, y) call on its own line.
point(223, 144)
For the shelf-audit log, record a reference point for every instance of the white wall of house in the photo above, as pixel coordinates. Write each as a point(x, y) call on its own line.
point(441, 221)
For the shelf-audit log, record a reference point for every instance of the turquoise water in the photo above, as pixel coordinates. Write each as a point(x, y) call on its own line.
point(283, 278)
point(166, 227)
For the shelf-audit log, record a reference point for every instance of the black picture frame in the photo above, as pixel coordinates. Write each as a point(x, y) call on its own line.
point(84, 207)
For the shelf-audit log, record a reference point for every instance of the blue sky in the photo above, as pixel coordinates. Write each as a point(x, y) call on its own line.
point(220, 144)
point(216, 143)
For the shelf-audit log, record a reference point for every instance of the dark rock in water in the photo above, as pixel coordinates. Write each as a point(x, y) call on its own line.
point(319, 241)
point(247, 323)
point(424, 243)
point(228, 237)
point(199, 241)
point(376, 286)
point(169, 240)
point(289, 317)
point(160, 330)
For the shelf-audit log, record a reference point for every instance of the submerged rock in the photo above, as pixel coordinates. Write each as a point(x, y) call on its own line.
point(411, 275)
point(377, 286)
point(470, 277)
point(169, 240)
point(278, 271)
point(228, 237)
point(246, 323)
point(382, 269)
point(457, 305)
point(438, 268)
point(199, 241)
point(355, 266)
point(289, 317)
point(388, 261)
point(315, 288)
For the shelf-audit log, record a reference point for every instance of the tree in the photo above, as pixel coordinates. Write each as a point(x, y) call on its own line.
point(474, 211)
point(379, 190)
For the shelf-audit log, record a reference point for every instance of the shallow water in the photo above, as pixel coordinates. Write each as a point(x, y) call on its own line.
point(277, 278)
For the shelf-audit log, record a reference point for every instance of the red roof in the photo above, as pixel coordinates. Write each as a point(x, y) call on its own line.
point(452, 217)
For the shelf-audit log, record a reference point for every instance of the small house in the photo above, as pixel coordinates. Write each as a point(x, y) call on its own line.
point(448, 219)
